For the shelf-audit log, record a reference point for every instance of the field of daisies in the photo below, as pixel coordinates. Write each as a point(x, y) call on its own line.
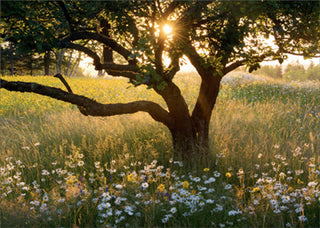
point(59, 168)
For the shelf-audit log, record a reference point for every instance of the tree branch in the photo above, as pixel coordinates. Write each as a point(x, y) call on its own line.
point(113, 69)
point(66, 14)
point(92, 107)
point(103, 39)
point(195, 59)
point(233, 66)
point(92, 54)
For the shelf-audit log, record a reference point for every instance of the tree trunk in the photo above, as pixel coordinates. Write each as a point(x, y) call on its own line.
point(31, 64)
point(47, 63)
point(69, 62)
point(11, 59)
point(60, 54)
point(190, 134)
point(191, 147)
point(75, 66)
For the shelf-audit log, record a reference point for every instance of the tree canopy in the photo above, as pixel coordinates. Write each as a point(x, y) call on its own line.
point(129, 39)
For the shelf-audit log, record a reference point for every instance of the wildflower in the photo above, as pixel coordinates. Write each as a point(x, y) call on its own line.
point(218, 208)
point(131, 177)
point(165, 220)
point(282, 175)
point(197, 179)
point(298, 209)
point(185, 184)
point(173, 210)
point(26, 188)
point(25, 148)
point(45, 197)
point(144, 185)
point(80, 163)
point(210, 180)
point(118, 213)
point(312, 184)
point(37, 144)
point(228, 186)
point(80, 156)
point(274, 202)
point(161, 188)
point(303, 218)
point(193, 192)
point(256, 189)
point(299, 181)
point(259, 155)
point(97, 164)
point(9, 180)
point(276, 146)
point(128, 210)
point(118, 186)
point(240, 172)
point(216, 174)
point(228, 175)
point(45, 172)
point(206, 169)
point(276, 211)
point(109, 212)
point(35, 203)
point(233, 213)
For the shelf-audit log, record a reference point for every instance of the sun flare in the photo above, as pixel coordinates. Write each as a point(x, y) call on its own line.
point(167, 29)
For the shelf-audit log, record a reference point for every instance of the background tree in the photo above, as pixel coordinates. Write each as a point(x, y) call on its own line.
point(217, 37)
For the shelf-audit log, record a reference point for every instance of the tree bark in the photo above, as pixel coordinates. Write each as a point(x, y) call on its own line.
point(11, 59)
point(47, 63)
point(69, 62)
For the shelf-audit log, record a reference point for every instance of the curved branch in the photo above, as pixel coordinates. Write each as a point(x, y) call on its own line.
point(92, 107)
point(92, 54)
point(103, 39)
point(119, 67)
point(128, 71)
point(233, 66)
point(239, 63)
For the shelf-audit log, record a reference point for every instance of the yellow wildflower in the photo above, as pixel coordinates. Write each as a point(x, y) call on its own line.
point(185, 184)
point(206, 169)
point(256, 189)
point(71, 180)
point(131, 178)
point(161, 187)
point(193, 192)
point(299, 181)
point(228, 175)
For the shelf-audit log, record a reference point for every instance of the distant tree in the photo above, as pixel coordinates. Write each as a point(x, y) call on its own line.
point(294, 71)
point(216, 36)
point(270, 71)
point(313, 72)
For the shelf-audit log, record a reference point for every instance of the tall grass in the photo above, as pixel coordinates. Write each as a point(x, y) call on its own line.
point(59, 168)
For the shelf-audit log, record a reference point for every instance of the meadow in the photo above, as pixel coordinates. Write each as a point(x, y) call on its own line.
point(59, 168)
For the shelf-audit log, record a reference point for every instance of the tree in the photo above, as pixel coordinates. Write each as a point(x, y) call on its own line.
point(217, 37)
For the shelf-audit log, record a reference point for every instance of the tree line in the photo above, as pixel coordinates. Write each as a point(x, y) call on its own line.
point(292, 71)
